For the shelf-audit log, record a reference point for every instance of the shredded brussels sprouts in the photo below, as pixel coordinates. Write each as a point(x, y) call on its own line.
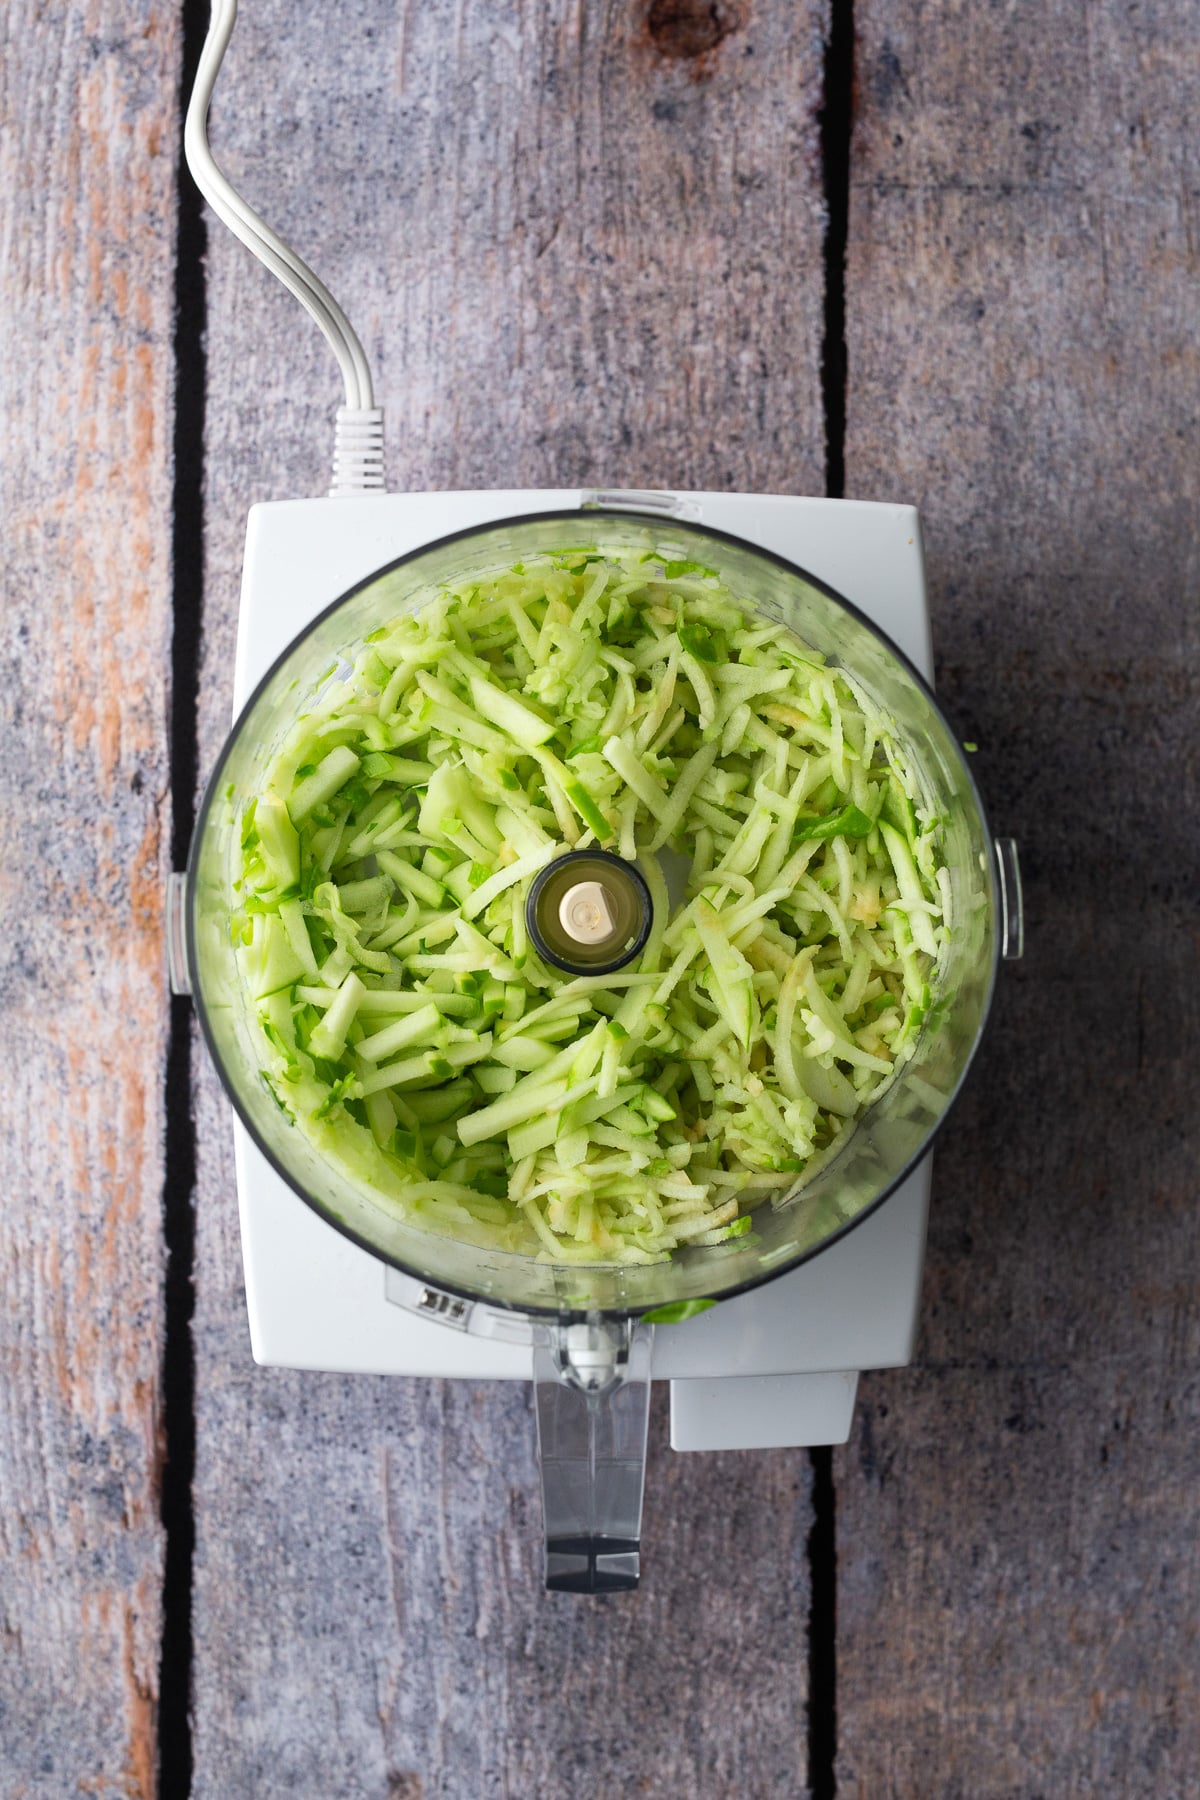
point(409, 1027)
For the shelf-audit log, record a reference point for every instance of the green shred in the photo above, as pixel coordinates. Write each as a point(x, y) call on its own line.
point(678, 1310)
point(408, 1026)
point(702, 642)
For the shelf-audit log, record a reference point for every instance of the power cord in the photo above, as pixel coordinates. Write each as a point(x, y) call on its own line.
point(358, 434)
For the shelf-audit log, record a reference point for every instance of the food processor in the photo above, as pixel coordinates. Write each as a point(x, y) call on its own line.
point(760, 1340)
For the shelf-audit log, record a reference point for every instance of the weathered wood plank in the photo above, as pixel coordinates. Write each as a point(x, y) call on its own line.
point(86, 188)
point(574, 257)
point(1019, 1581)
point(369, 1617)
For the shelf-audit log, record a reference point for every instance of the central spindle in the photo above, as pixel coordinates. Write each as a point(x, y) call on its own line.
point(589, 912)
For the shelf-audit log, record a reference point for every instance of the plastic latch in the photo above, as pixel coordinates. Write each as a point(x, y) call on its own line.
point(1012, 910)
point(447, 1309)
point(670, 506)
point(176, 914)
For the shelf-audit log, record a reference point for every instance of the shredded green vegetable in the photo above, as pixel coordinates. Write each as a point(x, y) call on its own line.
point(410, 1029)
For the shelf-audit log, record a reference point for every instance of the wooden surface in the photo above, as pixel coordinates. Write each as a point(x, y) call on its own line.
point(86, 196)
point(587, 242)
point(1019, 1580)
point(589, 264)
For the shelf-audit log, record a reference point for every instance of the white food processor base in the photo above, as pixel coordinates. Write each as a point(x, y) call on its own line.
point(774, 1367)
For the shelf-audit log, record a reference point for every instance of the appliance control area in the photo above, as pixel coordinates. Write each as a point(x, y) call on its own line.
point(773, 1367)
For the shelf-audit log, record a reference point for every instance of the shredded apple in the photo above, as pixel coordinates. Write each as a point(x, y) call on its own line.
point(410, 1028)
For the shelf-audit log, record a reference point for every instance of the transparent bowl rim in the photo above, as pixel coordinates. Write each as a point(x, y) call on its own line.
point(591, 516)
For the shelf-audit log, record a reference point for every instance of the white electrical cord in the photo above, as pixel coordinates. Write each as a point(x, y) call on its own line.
point(358, 440)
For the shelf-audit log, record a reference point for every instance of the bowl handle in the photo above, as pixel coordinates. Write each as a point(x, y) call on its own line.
point(592, 1387)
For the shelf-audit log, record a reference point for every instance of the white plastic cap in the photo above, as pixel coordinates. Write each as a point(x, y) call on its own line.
point(585, 913)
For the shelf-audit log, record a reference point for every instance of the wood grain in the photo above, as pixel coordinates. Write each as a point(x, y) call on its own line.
point(580, 249)
point(585, 243)
point(1019, 1588)
point(86, 189)
point(369, 1614)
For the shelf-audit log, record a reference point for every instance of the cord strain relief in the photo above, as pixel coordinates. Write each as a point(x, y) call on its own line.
point(358, 451)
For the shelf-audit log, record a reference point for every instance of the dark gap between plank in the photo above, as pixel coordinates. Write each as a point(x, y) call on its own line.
point(822, 1630)
point(836, 123)
point(179, 1228)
